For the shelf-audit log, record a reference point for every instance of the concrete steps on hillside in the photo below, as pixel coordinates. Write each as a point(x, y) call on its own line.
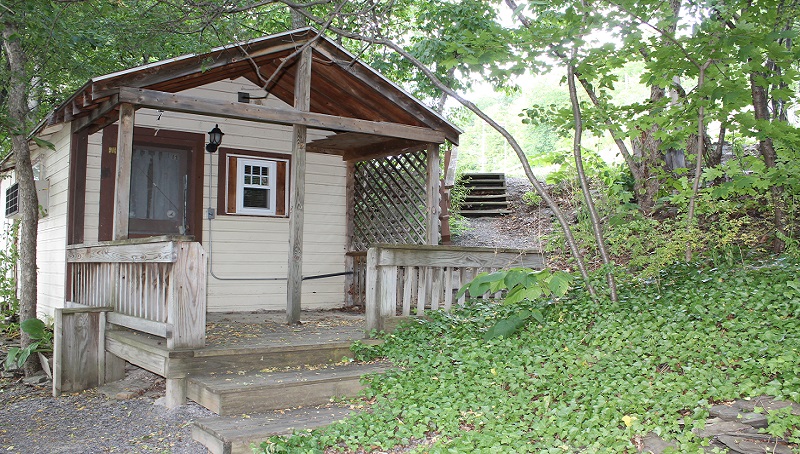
point(486, 195)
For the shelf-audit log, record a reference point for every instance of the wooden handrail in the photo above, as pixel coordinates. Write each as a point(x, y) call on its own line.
point(429, 275)
point(157, 286)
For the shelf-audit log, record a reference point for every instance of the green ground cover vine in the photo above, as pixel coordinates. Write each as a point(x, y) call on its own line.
point(588, 377)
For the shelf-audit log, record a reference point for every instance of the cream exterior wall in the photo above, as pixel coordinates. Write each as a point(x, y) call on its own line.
point(52, 236)
point(249, 246)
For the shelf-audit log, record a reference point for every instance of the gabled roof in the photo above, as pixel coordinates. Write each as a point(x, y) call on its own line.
point(341, 85)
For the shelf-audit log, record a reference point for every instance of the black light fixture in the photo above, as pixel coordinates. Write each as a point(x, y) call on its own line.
point(214, 139)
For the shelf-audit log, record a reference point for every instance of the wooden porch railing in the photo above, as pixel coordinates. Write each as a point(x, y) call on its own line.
point(402, 277)
point(155, 285)
point(356, 283)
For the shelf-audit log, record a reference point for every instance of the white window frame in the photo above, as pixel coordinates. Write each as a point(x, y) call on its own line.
point(272, 187)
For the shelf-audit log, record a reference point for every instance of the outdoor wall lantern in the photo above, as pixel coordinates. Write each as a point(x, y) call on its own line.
point(214, 139)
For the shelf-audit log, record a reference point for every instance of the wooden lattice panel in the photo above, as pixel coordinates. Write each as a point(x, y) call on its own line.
point(389, 200)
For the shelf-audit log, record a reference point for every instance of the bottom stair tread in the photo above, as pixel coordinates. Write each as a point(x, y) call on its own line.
point(234, 434)
point(258, 392)
point(225, 383)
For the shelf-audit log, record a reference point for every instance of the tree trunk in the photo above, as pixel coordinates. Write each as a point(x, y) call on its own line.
point(597, 228)
point(29, 205)
point(767, 150)
point(298, 20)
point(650, 160)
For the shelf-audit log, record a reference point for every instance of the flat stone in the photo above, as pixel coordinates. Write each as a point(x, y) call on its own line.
point(128, 388)
point(35, 380)
point(746, 444)
point(726, 412)
point(716, 426)
point(654, 444)
point(128, 395)
point(767, 403)
point(756, 420)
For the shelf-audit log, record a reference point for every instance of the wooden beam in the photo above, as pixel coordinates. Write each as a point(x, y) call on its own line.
point(353, 157)
point(251, 112)
point(457, 256)
point(350, 202)
point(123, 180)
point(452, 163)
point(302, 102)
point(432, 196)
point(105, 108)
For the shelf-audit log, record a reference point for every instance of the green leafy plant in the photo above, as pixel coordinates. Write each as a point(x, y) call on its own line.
point(519, 284)
point(584, 378)
point(459, 192)
point(42, 337)
point(783, 424)
point(532, 199)
point(9, 303)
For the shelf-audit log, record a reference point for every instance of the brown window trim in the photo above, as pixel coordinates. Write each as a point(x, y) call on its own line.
point(225, 184)
point(76, 208)
point(153, 137)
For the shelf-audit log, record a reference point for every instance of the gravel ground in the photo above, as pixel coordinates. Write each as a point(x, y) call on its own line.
point(32, 421)
point(520, 230)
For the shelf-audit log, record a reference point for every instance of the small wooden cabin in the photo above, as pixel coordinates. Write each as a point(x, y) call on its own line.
point(321, 156)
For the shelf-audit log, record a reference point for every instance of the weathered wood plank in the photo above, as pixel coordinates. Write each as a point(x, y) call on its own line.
point(448, 288)
point(148, 360)
point(437, 277)
point(440, 256)
point(302, 102)
point(76, 357)
point(372, 311)
point(409, 284)
point(139, 324)
point(124, 253)
point(123, 179)
point(450, 174)
point(186, 300)
point(432, 196)
point(388, 292)
point(58, 342)
point(252, 112)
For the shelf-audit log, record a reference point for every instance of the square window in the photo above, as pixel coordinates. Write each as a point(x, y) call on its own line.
point(255, 185)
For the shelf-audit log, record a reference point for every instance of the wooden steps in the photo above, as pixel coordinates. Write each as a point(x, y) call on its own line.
point(235, 434)
point(280, 385)
point(257, 392)
point(486, 196)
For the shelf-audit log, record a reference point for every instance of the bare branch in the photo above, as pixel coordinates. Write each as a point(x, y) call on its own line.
point(540, 189)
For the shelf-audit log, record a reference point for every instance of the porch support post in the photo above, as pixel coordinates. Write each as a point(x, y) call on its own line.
point(302, 102)
point(349, 261)
point(432, 196)
point(123, 179)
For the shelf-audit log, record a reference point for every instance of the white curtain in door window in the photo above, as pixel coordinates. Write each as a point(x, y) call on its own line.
point(157, 185)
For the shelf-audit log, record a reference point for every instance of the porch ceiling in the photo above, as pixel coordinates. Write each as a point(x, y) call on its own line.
point(341, 86)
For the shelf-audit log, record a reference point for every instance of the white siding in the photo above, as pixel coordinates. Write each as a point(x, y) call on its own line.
point(247, 246)
point(52, 241)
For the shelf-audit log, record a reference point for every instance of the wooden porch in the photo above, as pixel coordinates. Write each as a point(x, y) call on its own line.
point(143, 301)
